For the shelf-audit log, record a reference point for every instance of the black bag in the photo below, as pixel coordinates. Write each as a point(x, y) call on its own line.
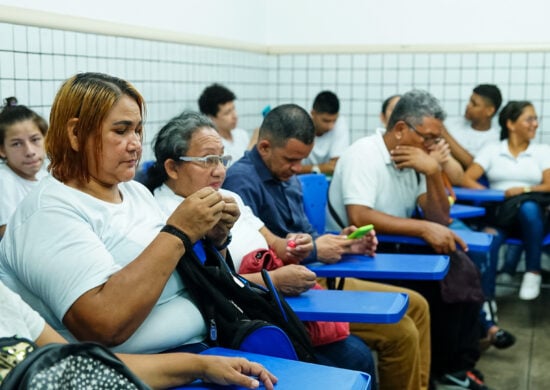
point(463, 280)
point(235, 309)
point(63, 366)
point(504, 215)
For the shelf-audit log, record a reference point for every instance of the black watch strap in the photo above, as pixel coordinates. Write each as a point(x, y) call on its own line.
point(170, 229)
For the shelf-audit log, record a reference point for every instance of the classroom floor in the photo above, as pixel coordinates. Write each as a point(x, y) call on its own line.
point(526, 365)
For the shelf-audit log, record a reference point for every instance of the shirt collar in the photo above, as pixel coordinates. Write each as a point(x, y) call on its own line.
point(262, 169)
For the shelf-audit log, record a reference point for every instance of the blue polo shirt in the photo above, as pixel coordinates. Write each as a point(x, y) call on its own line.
point(277, 203)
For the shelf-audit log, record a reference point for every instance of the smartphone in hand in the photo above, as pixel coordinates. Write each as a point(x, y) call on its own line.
point(360, 232)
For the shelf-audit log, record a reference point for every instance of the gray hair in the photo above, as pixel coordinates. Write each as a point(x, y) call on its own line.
point(172, 141)
point(414, 106)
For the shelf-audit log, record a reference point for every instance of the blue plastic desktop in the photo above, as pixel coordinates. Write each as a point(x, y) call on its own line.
point(294, 375)
point(473, 195)
point(463, 211)
point(386, 266)
point(476, 241)
point(350, 306)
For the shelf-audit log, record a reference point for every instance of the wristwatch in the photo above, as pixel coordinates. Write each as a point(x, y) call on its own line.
point(315, 169)
point(526, 189)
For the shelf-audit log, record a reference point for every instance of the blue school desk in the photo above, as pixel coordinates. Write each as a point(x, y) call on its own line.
point(476, 241)
point(386, 266)
point(350, 306)
point(485, 195)
point(462, 211)
point(294, 375)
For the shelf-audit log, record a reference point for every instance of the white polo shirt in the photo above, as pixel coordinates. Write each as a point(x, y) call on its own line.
point(505, 171)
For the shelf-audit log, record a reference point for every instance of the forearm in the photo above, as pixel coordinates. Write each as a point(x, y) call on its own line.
point(458, 152)
point(112, 312)
point(454, 171)
point(166, 370)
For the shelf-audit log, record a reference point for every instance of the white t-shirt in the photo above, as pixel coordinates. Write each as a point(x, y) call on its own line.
point(238, 146)
point(13, 189)
point(470, 139)
point(246, 235)
point(17, 318)
point(505, 171)
point(366, 176)
point(62, 242)
point(330, 145)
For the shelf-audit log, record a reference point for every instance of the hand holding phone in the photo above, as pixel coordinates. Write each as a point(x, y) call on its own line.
point(360, 232)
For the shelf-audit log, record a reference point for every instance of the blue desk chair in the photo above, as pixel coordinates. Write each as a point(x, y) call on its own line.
point(314, 189)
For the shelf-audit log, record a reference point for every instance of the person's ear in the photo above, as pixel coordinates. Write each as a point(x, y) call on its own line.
point(264, 147)
point(170, 167)
point(398, 129)
point(510, 125)
point(2, 152)
point(72, 133)
point(490, 110)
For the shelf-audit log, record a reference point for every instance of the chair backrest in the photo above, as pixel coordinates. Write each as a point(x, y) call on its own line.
point(314, 191)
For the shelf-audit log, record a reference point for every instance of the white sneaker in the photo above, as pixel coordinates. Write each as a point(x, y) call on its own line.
point(530, 286)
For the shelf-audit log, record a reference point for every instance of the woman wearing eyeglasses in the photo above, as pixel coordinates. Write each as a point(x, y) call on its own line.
point(189, 157)
point(516, 165)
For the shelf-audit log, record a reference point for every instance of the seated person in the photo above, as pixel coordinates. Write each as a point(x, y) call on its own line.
point(397, 163)
point(517, 165)
point(452, 172)
point(86, 249)
point(192, 136)
point(218, 102)
point(158, 371)
point(22, 153)
point(266, 180)
point(466, 136)
point(331, 134)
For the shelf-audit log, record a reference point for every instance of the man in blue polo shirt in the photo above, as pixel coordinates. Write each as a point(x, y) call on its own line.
point(265, 179)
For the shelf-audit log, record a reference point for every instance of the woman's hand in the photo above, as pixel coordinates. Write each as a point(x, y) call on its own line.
point(230, 214)
point(298, 246)
point(236, 371)
point(513, 191)
point(293, 279)
point(199, 213)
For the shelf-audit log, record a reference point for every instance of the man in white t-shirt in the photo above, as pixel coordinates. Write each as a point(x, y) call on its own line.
point(467, 135)
point(331, 134)
point(218, 103)
point(381, 179)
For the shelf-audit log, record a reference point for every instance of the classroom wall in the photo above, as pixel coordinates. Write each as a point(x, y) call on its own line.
point(171, 69)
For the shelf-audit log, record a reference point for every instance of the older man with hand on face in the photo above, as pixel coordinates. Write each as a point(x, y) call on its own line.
point(382, 179)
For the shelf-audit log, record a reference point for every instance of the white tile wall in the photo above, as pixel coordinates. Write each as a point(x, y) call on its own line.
point(34, 61)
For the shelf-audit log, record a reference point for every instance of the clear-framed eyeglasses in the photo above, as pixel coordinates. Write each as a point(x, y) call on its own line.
point(209, 162)
point(427, 139)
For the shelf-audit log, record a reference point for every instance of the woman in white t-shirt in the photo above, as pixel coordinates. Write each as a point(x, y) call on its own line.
point(516, 165)
point(22, 156)
point(89, 248)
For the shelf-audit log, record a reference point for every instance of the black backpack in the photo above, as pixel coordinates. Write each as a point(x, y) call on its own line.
point(63, 367)
point(240, 314)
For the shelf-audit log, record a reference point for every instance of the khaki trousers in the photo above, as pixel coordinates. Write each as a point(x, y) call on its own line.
point(403, 348)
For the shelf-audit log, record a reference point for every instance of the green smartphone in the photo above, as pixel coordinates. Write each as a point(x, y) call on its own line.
point(360, 232)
